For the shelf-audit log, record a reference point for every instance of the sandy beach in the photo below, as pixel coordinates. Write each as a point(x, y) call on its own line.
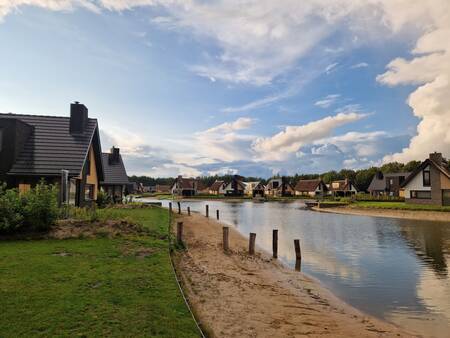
point(390, 213)
point(237, 295)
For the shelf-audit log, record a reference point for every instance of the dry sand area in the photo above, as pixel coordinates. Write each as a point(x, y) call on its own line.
point(237, 295)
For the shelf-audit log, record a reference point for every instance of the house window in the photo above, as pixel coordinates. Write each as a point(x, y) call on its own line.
point(88, 166)
point(425, 195)
point(275, 185)
point(426, 178)
point(89, 192)
point(391, 181)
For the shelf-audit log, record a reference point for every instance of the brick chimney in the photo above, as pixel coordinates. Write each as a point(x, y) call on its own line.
point(436, 157)
point(114, 156)
point(78, 118)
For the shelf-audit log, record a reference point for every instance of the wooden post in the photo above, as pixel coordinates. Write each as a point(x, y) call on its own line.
point(179, 232)
point(251, 244)
point(298, 255)
point(170, 207)
point(217, 214)
point(225, 239)
point(207, 210)
point(179, 208)
point(189, 211)
point(275, 243)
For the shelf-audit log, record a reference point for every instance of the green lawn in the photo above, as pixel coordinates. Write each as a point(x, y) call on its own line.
point(93, 287)
point(397, 205)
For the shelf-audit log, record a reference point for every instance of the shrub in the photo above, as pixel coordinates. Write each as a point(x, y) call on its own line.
point(103, 199)
point(11, 216)
point(41, 207)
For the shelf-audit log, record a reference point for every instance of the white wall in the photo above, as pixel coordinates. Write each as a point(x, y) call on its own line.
point(416, 184)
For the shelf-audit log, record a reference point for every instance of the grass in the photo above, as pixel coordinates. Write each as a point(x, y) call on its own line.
point(398, 206)
point(94, 287)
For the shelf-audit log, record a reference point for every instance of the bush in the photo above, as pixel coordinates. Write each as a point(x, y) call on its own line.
point(103, 199)
point(41, 207)
point(11, 207)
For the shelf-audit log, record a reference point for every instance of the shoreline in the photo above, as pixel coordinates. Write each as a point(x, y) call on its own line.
point(237, 295)
point(421, 215)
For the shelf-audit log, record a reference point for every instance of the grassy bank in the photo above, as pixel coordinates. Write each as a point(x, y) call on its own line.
point(121, 286)
point(397, 206)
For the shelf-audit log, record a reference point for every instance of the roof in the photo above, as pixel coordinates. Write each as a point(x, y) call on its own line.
point(51, 147)
point(216, 185)
point(307, 185)
point(115, 173)
point(439, 166)
point(185, 183)
point(343, 185)
point(378, 182)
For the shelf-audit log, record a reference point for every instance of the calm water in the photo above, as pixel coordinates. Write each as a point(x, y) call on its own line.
point(391, 268)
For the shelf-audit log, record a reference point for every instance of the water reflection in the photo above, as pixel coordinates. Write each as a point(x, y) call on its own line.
point(391, 268)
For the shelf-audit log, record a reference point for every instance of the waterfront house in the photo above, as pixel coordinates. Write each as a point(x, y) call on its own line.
point(429, 183)
point(36, 147)
point(235, 187)
point(217, 188)
point(387, 184)
point(311, 188)
point(342, 188)
point(162, 189)
point(184, 186)
point(279, 187)
point(254, 189)
point(115, 182)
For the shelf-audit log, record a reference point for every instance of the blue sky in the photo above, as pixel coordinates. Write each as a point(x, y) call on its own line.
point(222, 87)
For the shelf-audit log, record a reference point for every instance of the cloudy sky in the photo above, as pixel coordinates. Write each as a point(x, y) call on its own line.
point(256, 87)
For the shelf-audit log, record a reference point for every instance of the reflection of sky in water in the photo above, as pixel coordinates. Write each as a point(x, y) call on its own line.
point(392, 268)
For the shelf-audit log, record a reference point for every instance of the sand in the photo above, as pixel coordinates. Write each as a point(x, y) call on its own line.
point(391, 213)
point(237, 295)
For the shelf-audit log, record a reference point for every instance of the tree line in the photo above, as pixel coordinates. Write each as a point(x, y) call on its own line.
point(361, 177)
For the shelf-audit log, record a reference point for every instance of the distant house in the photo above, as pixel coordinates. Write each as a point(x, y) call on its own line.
point(39, 147)
point(217, 188)
point(387, 184)
point(342, 188)
point(184, 186)
point(429, 183)
point(115, 181)
point(254, 189)
point(235, 187)
point(279, 187)
point(311, 188)
point(159, 188)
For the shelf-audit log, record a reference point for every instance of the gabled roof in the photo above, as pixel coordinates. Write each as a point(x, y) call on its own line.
point(115, 173)
point(185, 183)
point(51, 147)
point(307, 185)
point(427, 162)
point(216, 185)
point(378, 182)
point(344, 185)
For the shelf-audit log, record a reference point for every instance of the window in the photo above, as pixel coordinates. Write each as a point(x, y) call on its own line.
point(426, 195)
point(89, 192)
point(391, 181)
point(88, 166)
point(275, 184)
point(426, 178)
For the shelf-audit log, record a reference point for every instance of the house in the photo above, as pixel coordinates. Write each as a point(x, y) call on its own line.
point(342, 188)
point(36, 147)
point(217, 188)
point(115, 182)
point(429, 183)
point(279, 187)
point(184, 186)
point(311, 188)
point(235, 187)
point(387, 184)
point(162, 189)
point(254, 189)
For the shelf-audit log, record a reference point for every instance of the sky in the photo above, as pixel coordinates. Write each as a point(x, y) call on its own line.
point(253, 87)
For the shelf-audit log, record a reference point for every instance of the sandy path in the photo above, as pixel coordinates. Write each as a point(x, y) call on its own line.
point(235, 295)
point(439, 216)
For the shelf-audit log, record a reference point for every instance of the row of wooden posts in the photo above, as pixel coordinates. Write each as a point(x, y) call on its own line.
point(252, 238)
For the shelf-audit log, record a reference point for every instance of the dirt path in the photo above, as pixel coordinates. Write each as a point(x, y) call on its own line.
point(235, 295)
point(438, 216)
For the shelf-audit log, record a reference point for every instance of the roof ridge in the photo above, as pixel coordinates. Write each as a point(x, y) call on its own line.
point(38, 115)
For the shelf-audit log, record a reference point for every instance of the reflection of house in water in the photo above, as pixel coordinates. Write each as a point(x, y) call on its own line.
point(430, 242)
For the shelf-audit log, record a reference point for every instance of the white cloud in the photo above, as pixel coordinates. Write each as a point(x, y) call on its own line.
point(292, 138)
point(327, 101)
point(359, 65)
point(331, 67)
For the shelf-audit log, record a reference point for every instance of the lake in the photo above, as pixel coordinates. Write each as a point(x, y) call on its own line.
point(394, 269)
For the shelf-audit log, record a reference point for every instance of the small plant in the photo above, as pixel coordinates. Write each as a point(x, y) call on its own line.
point(11, 205)
point(103, 199)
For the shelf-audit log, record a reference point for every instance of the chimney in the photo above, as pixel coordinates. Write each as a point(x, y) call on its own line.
point(78, 118)
point(436, 157)
point(114, 155)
